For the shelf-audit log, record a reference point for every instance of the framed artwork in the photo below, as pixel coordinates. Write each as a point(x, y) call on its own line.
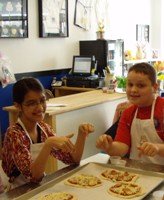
point(13, 19)
point(53, 18)
point(82, 14)
point(142, 32)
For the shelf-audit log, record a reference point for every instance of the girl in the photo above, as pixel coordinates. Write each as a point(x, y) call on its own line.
point(1, 186)
point(30, 141)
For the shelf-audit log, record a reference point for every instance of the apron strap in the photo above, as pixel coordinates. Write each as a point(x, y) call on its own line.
point(152, 110)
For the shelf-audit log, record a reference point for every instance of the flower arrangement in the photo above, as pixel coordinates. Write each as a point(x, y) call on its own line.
point(160, 80)
point(128, 55)
point(160, 76)
point(159, 66)
point(100, 31)
point(101, 26)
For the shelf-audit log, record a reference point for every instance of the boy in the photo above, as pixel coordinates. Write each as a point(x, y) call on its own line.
point(141, 127)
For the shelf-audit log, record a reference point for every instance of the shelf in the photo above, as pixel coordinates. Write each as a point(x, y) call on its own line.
point(143, 60)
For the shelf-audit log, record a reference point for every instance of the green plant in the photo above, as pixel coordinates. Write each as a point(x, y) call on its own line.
point(160, 76)
point(121, 81)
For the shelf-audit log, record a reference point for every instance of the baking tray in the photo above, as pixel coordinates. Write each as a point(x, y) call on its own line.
point(148, 179)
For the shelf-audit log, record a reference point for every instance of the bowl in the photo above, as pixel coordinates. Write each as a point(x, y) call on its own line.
point(115, 159)
point(158, 195)
point(110, 91)
point(104, 89)
point(121, 162)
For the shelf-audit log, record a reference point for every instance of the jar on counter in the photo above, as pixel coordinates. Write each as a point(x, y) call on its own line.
point(109, 81)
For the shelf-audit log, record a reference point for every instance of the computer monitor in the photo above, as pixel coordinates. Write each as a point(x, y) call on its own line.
point(82, 65)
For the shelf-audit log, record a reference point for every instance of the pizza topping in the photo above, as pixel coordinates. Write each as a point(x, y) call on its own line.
point(58, 196)
point(125, 189)
point(115, 175)
point(113, 172)
point(84, 180)
point(74, 180)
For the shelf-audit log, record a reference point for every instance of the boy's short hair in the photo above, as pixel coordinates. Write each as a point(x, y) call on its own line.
point(145, 68)
point(23, 86)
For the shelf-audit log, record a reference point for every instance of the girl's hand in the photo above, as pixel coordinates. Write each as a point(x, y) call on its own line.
point(86, 129)
point(64, 143)
point(148, 149)
point(104, 142)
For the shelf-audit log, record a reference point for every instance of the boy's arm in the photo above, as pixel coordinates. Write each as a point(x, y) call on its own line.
point(118, 149)
point(113, 148)
point(151, 149)
point(84, 130)
point(161, 149)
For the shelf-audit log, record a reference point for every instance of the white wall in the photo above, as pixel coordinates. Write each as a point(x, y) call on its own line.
point(161, 42)
point(37, 54)
point(157, 26)
point(123, 17)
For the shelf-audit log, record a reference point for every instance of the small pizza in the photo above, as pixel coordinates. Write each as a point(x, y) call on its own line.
point(84, 180)
point(126, 190)
point(119, 176)
point(58, 196)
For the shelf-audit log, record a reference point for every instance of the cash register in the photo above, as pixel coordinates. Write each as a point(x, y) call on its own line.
point(81, 74)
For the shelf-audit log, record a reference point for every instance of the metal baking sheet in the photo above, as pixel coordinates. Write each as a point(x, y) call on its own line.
point(149, 181)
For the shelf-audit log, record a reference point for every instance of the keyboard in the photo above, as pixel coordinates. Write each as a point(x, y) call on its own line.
point(78, 78)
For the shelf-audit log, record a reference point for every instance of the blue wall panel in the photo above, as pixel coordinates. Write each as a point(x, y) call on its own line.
point(5, 100)
point(6, 96)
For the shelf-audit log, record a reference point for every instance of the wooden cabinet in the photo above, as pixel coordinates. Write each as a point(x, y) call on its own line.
point(107, 53)
point(64, 90)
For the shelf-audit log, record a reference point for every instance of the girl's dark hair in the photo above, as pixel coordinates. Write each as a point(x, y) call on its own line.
point(23, 86)
point(145, 68)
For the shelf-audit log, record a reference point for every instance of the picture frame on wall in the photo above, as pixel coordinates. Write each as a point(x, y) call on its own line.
point(13, 18)
point(53, 18)
point(142, 32)
point(82, 14)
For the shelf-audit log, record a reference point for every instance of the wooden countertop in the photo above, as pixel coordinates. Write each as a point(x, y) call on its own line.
point(76, 101)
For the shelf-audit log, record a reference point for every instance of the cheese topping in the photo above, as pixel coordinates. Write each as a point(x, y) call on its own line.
point(125, 189)
point(84, 180)
point(119, 176)
point(57, 196)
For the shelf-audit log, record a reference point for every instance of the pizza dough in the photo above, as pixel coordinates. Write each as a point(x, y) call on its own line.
point(58, 196)
point(119, 176)
point(125, 190)
point(84, 181)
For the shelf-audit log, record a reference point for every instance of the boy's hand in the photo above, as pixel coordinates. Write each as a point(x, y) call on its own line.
point(148, 149)
point(86, 129)
point(104, 142)
point(64, 143)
